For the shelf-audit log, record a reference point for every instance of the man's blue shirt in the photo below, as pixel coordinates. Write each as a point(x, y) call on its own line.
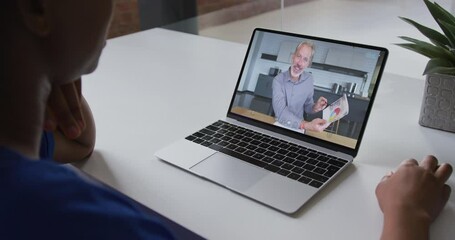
point(291, 100)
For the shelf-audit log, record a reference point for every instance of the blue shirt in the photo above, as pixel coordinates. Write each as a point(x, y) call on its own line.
point(291, 99)
point(46, 151)
point(45, 200)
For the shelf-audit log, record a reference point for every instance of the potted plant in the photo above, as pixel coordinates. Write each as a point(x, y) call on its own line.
point(438, 105)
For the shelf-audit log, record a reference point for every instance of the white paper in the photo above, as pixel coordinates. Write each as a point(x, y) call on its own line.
point(336, 110)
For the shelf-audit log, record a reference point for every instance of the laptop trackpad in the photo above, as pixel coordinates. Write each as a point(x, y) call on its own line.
point(229, 172)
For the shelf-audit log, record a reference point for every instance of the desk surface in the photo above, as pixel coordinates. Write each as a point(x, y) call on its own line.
point(154, 87)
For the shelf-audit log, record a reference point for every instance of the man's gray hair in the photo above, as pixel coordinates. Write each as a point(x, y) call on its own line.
point(306, 43)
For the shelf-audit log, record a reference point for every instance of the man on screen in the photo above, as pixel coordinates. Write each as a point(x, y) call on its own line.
point(293, 92)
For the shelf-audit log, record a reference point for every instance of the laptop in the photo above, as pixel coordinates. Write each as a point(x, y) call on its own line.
point(254, 152)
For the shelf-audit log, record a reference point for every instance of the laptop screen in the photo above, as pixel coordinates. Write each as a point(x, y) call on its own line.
point(320, 88)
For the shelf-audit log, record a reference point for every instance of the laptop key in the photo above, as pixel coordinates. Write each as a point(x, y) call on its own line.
point(206, 143)
point(283, 172)
point(288, 160)
point(297, 170)
point(304, 179)
point(275, 143)
point(240, 132)
point(303, 152)
point(248, 134)
point(238, 137)
point(273, 148)
point(315, 184)
point(298, 163)
point(302, 158)
point(261, 150)
point(292, 154)
point(207, 131)
point(333, 168)
point(215, 147)
point(207, 138)
point(247, 139)
point(336, 163)
point(257, 137)
point(315, 176)
point(330, 173)
point(323, 158)
point(242, 144)
point(213, 128)
point(249, 153)
point(284, 146)
point(293, 149)
point(283, 152)
point(341, 160)
point(287, 166)
point(215, 140)
point(240, 149)
point(268, 159)
point(312, 161)
point(293, 176)
point(319, 171)
point(255, 142)
point(230, 134)
point(218, 123)
point(251, 147)
point(231, 146)
point(322, 165)
point(258, 156)
point(223, 143)
point(190, 138)
point(226, 138)
point(272, 168)
point(309, 167)
point(264, 145)
point(269, 153)
point(198, 134)
point(198, 141)
point(277, 163)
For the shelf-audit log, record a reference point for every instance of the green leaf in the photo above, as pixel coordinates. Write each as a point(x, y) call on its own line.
point(446, 13)
point(440, 70)
point(435, 37)
point(438, 65)
point(427, 49)
point(417, 49)
point(450, 29)
point(440, 62)
point(439, 14)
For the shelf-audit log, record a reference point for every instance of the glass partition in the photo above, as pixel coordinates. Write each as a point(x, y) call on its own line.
point(373, 22)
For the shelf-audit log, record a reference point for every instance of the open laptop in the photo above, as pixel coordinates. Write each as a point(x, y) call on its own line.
point(254, 153)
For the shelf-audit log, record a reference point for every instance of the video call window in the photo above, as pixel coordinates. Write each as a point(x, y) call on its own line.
point(336, 70)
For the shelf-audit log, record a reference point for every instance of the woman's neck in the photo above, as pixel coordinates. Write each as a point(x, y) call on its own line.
point(23, 96)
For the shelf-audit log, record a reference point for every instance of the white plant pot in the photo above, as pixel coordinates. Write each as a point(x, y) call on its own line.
point(438, 104)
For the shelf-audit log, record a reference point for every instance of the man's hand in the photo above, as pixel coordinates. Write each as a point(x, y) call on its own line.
point(317, 125)
point(64, 110)
point(320, 104)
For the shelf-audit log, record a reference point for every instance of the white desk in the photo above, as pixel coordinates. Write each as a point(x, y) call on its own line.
point(157, 86)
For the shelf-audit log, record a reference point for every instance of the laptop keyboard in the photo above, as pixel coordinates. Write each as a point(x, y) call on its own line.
point(293, 161)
